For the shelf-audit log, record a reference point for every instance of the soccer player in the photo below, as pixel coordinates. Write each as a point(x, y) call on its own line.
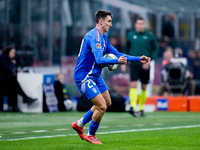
point(87, 73)
point(140, 42)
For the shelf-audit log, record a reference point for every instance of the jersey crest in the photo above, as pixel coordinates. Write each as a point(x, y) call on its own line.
point(98, 45)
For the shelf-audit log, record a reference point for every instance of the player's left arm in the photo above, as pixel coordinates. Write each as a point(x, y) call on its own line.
point(154, 47)
point(111, 49)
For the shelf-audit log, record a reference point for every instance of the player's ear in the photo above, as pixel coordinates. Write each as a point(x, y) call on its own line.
point(100, 21)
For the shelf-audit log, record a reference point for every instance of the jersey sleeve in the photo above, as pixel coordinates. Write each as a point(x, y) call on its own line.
point(111, 49)
point(95, 44)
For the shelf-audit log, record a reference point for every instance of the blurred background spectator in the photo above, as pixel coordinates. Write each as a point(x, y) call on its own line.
point(168, 27)
point(8, 78)
point(60, 92)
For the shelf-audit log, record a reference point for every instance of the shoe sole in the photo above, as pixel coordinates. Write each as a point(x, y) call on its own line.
point(91, 142)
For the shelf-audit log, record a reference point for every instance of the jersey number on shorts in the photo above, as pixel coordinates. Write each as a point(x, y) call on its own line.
point(88, 84)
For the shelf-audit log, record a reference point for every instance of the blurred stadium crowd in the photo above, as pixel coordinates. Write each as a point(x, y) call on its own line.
point(43, 31)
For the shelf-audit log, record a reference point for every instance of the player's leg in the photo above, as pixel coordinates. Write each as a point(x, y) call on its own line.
point(101, 100)
point(100, 108)
point(134, 74)
point(104, 91)
point(142, 100)
point(102, 88)
point(106, 96)
point(86, 118)
point(133, 94)
point(95, 114)
point(88, 115)
point(78, 125)
point(90, 90)
point(133, 97)
point(144, 77)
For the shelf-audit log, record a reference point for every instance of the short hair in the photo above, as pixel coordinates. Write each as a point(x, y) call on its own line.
point(102, 14)
point(139, 18)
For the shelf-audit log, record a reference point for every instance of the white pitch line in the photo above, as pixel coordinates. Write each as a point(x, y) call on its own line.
point(39, 137)
point(152, 129)
point(140, 125)
point(109, 132)
point(121, 126)
point(157, 124)
point(19, 132)
point(103, 127)
point(37, 131)
point(61, 129)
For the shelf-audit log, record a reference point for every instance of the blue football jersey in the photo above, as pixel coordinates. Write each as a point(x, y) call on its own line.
point(90, 58)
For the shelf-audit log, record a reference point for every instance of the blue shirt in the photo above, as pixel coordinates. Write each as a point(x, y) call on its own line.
point(90, 58)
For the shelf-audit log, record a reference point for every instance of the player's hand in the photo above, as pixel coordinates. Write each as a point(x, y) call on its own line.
point(145, 60)
point(122, 60)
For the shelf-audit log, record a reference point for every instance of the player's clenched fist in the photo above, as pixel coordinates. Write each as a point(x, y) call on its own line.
point(145, 60)
point(122, 60)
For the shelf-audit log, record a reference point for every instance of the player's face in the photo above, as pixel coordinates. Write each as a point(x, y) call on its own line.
point(107, 23)
point(140, 25)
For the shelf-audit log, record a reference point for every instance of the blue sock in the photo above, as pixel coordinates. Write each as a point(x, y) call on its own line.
point(93, 127)
point(87, 117)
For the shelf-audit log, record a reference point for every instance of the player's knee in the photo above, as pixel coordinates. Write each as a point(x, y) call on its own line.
point(133, 84)
point(103, 108)
point(144, 86)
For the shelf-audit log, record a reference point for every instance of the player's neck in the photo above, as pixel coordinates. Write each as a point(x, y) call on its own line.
point(100, 29)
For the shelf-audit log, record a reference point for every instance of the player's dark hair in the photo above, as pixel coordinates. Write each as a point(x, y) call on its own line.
point(7, 50)
point(139, 18)
point(102, 14)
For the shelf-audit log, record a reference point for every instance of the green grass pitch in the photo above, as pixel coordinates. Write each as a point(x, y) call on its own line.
point(52, 131)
